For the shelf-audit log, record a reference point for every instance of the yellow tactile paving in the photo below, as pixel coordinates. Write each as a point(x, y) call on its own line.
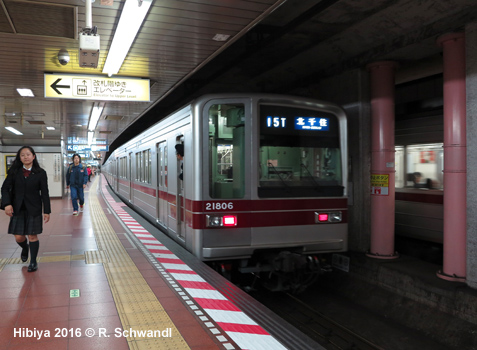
point(137, 305)
point(54, 258)
point(96, 256)
point(42, 259)
point(3, 262)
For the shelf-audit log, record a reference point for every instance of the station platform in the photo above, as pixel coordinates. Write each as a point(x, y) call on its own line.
point(108, 279)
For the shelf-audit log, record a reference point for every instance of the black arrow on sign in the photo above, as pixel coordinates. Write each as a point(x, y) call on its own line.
point(55, 87)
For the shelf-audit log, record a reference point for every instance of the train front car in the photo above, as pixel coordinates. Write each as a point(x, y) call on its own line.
point(273, 185)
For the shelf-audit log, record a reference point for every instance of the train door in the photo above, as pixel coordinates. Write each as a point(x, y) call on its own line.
point(117, 162)
point(180, 200)
point(130, 175)
point(161, 201)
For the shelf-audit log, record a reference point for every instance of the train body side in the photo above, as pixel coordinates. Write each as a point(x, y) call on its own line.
point(276, 200)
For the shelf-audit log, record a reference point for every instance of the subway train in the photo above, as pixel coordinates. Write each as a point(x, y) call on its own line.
point(261, 184)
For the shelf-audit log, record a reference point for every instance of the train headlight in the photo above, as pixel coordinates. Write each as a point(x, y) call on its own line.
point(326, 217)
point(220, 220)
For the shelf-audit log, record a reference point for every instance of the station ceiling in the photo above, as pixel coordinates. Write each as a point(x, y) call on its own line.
point(272, 46)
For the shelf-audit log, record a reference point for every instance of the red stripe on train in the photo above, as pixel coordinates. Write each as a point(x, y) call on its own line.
point(245, 220)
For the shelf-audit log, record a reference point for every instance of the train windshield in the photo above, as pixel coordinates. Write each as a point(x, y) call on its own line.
point(226, 145)
point(299, 154)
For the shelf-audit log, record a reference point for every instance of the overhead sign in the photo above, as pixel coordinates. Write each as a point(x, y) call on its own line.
point(87, 148)
point(76, 148)
point(98, 88)
point(100, 148)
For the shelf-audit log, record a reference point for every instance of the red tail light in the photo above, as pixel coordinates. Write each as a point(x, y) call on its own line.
point(323, 217)
point(230, 220)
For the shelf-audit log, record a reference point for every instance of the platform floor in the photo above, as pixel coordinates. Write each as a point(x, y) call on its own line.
point(103, 278)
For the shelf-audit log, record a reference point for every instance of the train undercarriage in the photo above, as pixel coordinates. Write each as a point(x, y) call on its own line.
point(277, 271)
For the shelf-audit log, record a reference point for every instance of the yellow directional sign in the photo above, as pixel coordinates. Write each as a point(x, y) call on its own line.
point(95, 87)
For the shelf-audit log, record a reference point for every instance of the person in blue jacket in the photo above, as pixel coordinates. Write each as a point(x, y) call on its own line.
point(76, 180)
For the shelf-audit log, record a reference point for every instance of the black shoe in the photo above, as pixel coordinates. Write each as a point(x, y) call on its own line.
point(32, 267)
point(24, 255)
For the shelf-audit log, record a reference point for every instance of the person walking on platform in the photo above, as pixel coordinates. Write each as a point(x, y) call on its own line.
point(76, 179)
point(180, 156)
point(24, 195)
point(89, 173)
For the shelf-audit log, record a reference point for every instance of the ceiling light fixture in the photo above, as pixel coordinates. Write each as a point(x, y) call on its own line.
point(95, 115)
point(90, 137)
point(50, 128)
point(15, 131)
point(25, 92)
point(132, 16)
point(221, 37)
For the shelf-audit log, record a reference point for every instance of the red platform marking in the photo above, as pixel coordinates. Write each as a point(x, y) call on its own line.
point(242, 328)
point(161, 251)
point(147, 238)
point(180, 271)
point(216, 304)
point(196, 285)
point(172, 261)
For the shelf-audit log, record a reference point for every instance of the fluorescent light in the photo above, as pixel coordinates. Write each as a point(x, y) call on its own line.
point(90, 137)
point(50, 128)
point(25, 92)
point(221, 37)
point(95, 115)
point(131, 20)
point(15, 131)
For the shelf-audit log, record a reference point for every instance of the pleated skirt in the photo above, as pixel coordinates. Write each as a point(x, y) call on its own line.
point(24, 224)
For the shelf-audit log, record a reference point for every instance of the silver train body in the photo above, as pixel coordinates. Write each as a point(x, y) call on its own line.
point(261, 174)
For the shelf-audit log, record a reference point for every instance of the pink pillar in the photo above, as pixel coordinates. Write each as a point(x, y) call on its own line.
point(455, 149)
point(382, 160)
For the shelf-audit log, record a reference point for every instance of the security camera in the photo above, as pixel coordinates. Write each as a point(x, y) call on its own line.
point(63, 57)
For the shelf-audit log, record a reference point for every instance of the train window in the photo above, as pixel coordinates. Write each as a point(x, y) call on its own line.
point(160, 161)
point(299, 154)
point(420, 166)
point(139, 168)
point(226, 145)
point(165, 167)
point(122, 167)
point(146, 161)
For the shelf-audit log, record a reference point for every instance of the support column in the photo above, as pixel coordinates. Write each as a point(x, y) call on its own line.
point(471, 92)
point(382, 160)
point(455, 152)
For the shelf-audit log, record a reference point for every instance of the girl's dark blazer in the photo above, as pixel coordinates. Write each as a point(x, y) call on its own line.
point(33, 191)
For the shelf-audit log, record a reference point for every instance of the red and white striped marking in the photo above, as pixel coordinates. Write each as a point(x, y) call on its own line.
point(245, 332)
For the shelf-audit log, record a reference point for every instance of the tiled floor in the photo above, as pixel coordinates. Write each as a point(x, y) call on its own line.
point(36, 302)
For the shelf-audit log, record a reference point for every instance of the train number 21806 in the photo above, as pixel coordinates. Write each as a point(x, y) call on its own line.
point(218, 206)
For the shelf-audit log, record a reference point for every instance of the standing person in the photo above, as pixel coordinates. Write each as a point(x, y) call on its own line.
point(77, 178)
point(89, 173)
point(24, 195)
point(180, 155)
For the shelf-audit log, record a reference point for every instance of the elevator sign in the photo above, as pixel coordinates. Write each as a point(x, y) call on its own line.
point(98, 88)
point(380, 184)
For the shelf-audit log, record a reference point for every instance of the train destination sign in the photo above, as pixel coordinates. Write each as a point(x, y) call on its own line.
point(96, 87)
point(301, 123)
point(312, 123)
